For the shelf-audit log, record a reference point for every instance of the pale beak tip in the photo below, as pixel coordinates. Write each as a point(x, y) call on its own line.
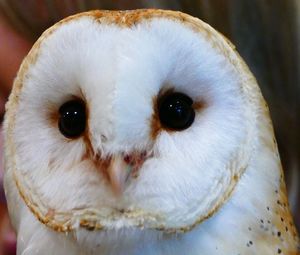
point(118, 174)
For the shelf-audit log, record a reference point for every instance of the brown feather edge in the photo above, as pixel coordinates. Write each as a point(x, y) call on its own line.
point(129, 18)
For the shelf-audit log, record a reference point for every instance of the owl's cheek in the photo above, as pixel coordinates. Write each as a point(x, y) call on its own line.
point(156, 188)
point(169, 188)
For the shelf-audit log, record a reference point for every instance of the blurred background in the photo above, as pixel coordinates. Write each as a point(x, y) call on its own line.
point(265, 32)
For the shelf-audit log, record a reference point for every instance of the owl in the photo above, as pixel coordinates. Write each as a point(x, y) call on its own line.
point(142, 132)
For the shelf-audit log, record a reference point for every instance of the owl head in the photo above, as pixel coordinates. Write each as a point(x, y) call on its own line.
point(130, 119)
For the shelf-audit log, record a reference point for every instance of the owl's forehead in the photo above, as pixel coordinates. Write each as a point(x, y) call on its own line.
point(85, 52)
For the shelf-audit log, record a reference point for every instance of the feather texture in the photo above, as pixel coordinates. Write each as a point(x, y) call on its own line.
point(222, 174)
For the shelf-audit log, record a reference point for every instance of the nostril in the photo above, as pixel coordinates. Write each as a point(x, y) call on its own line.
point(128, 159)
point(135, 159)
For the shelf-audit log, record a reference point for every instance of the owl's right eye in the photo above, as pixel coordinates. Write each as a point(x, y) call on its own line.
point(72, 118)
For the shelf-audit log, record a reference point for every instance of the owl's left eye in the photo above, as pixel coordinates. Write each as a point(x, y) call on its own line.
point(72, 119)
point(176, 111)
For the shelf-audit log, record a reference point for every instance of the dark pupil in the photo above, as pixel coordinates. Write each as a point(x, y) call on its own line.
point(72, 119)
point(176, 111)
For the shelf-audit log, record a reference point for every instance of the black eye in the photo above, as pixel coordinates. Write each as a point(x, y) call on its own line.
point(72, 118)
point(176, 111)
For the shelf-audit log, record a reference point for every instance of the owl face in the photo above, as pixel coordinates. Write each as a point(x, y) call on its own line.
point(130, 119)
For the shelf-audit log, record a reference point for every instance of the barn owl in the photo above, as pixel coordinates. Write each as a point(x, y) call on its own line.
point(142, 132)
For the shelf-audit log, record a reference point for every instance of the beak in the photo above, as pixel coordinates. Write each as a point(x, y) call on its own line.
point(118, 172)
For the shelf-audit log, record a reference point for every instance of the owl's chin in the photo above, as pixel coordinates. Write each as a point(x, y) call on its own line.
point(112, 220)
